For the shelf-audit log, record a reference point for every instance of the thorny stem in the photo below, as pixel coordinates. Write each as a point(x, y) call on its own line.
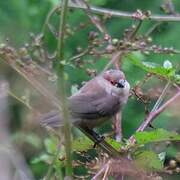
point(154, 114)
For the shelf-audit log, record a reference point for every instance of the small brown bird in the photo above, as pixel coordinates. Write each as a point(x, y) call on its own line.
point(96, 102)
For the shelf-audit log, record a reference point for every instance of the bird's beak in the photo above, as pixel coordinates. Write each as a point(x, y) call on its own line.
point(121, 83)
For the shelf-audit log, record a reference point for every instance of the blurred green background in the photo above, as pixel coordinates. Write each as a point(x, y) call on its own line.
point(20, 18)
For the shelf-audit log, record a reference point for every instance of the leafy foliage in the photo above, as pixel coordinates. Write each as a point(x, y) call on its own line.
point(82, 144)
point(149, 160)
point(157, 135)
point(165, 71)
point(116, 145)
point(87, 51)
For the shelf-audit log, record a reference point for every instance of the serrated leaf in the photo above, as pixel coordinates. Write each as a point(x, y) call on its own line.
point(82, 144)
point(148, 160)
point(116, 145)
point(151, 67)
point(157, 135)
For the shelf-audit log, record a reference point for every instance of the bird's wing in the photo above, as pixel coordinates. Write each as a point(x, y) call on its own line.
point(91, 102)
point(93, 105)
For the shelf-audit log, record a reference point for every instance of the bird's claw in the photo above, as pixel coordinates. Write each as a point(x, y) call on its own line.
point(98, 139)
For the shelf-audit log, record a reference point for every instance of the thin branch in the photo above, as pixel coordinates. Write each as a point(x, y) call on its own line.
point(136, 30)
point(154, 114)
point(161, 97)
point(96, 21)
point(50, 14)
point(10, 93)
point(50, 169)
point(153, 28)
point(114, 59)
point(123, 14)
point(118, 120)
point(32, 80)
point(80, 54)
point(103, 145)
point(106, 171)
point(118, 127)
point(61, 81)
point(96, 177)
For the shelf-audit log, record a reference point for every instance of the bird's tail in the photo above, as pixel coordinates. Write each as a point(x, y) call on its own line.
point(52, 119)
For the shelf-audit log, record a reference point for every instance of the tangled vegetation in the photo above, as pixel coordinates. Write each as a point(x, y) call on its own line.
point(75, 44)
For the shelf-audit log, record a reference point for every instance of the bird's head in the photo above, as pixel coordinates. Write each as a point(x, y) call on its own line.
point(119, 84)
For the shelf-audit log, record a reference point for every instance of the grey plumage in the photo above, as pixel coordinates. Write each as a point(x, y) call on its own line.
point(95, 102)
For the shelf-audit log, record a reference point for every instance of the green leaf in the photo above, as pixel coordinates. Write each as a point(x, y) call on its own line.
point(177, 78)
point(151, 67)
point(148, 160)
point(30, 138)
point(51, 145)
point(41, 158)
point(116, 145)
point(157, 135)
point(82, 144)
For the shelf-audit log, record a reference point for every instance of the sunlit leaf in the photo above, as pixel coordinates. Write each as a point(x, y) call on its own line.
point(41, 158)
point(116, 145)
point(152, 67)
point(177, 78)
point(82, 144)
point(51, 145)
point(29, 138)
point(157, 135)
point(148, 160)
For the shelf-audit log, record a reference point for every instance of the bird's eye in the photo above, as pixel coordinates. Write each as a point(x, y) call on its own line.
point(113, 83)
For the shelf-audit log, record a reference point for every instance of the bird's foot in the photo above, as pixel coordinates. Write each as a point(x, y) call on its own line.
point(98, 138)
